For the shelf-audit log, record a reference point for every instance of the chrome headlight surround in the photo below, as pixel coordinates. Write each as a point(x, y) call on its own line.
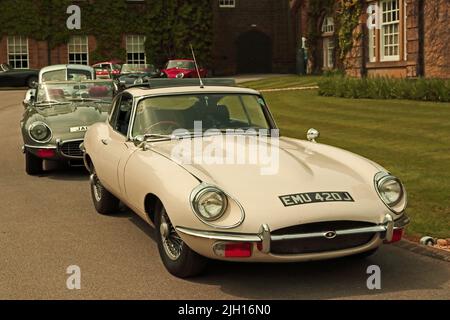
point(47, 137)
point(382, 180)
point(200, 203)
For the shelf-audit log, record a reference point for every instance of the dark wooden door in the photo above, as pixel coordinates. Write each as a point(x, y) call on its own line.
point(254, 53)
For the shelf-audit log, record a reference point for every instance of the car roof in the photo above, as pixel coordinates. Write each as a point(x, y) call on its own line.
point(142, 92)
point(66, 66)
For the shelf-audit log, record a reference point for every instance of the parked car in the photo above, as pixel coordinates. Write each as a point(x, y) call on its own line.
point(182, 68)
point(136, 74)
point(57, 117)
point(10, 77)
point(66, 72)
point(322, 203)
point(107, 69)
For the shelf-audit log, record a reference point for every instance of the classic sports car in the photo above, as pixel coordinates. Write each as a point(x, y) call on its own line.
point(107, 69)
point(136, 74)
point(322, 202)
point(182, 68)
point(57, 117)
point(17, 78)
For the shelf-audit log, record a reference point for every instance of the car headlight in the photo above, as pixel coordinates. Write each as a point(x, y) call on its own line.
point(40, 132)
point(210, 203)
point(139, 81)
point(180, 75)
point(391, 191)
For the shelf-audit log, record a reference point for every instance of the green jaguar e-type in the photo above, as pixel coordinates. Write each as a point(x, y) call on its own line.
point(57, 116)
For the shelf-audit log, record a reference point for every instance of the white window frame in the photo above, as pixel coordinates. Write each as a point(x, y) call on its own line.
point(389, 24)
point(328, 25)
point(328, 51)
point(12, 56)
point(373, 29)
point(227, 3)
point(130, 42)
point(74, 47)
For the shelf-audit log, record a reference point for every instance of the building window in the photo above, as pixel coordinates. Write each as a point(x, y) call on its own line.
point(328, 42)
point(390, 30)
point(227, 3)
point(372, 25)
point(328, 25)
point(135, 50)
point(78, 49)
point(18, 52)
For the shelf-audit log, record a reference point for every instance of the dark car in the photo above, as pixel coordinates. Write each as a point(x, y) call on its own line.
point(182, 68)
point(10, 77)
point(136, 74)
point(57, 118)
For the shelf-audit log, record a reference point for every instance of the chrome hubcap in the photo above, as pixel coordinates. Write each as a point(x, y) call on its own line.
point(172, 243)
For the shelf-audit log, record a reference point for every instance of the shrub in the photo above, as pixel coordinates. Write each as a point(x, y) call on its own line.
point(385, 88)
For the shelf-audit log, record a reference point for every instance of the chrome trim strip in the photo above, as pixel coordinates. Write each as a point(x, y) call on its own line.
point(266, 238)
point(39, 147)
point(375, 229)
point(212, 235)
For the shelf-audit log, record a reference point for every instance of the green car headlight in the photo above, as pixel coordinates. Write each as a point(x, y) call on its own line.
point(210, 203)
point(40, 132)
point(390, 190)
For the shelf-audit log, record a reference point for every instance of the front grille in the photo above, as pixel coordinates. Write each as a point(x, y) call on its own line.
point(72, 149)
point(321, 244)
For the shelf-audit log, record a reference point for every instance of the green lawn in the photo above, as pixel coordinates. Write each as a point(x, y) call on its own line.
point(283, 82)
point(409, 138)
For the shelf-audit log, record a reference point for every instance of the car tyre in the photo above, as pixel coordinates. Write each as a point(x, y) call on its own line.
point(182, 262)
point(104, 201)
point(33, 164)
point(31, 82)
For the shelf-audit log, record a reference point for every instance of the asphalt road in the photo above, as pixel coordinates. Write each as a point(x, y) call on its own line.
point(48, 223)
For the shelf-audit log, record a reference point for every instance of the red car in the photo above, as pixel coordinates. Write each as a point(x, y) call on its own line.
point(107, 69)
point(182, 68)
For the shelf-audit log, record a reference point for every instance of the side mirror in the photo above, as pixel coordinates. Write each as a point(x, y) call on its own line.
point(30, 97)
point(139, 141)
point(312, 135)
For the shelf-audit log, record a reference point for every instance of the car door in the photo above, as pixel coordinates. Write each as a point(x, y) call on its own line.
point(115, 147)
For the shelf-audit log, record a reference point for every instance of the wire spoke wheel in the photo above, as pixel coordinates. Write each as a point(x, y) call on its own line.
point(97, 188)
point(172, 243)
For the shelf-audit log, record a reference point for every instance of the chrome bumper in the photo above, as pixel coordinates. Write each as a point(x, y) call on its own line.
point(386, 231)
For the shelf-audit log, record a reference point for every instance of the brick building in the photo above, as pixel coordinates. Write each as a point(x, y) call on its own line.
point(400, 38)
point(250, 36)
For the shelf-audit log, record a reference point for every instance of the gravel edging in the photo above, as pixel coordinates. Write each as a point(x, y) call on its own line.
point(424, 250)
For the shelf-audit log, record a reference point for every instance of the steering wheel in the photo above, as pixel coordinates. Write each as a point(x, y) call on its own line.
point(169, 123)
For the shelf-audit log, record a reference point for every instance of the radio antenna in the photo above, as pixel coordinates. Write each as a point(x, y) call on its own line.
point(196, 67)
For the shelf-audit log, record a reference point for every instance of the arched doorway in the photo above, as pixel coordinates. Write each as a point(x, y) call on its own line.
point(254, 52)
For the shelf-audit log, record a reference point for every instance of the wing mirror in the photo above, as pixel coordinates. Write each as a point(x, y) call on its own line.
point(312, 135)
point(139, 141)
point(30, 98)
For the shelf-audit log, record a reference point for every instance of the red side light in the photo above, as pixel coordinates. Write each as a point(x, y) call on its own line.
point(396, 235)
point(238, 250)
point(233, 249)
point(46, 153)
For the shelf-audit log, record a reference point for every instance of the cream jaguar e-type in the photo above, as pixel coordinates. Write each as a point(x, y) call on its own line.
point(321, 202)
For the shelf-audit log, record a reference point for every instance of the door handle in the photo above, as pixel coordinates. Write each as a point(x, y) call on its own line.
point(105, 142)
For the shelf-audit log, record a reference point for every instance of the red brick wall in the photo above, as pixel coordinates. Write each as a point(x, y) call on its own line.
point(272, 17)
point(437, 38)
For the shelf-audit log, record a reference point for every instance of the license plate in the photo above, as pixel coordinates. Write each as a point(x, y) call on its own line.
point(78, 129)
point(315, 197)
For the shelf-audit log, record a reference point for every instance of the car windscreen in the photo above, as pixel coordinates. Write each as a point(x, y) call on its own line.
point(180, 64)
point(137, 68)
point(67, 92)
point(78, 75)
point(163, 115)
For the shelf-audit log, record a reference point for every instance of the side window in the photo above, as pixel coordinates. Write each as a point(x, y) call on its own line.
point(120, 119)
